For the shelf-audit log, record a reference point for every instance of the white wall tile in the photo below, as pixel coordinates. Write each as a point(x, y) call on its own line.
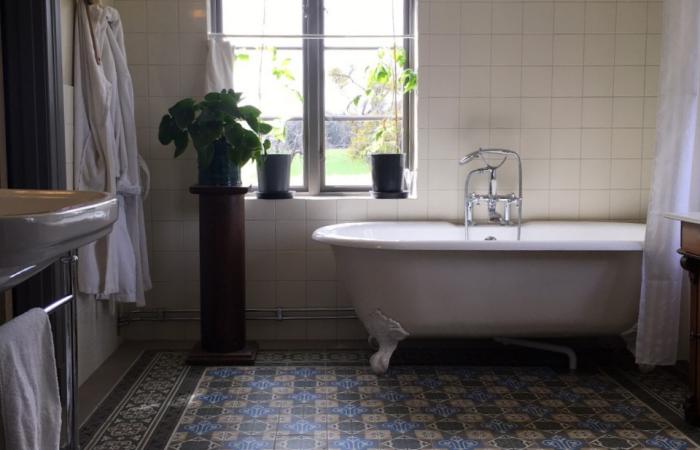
point(538, 17)
point(537, 81)
point(595, 174)
point(566, 143)
point(598, 81)
point(596, 143)
point(599, 49)
point(133, 15)
point(506, 50)
point(507, 18)
point(474, 112)
point(569, 17)
point(595, 204)
point(626, 174)
point(568, 49)
point(629, 81)
point(193, 16)
point(566, 112)
point(625, 204)
point(536, 113)
point(567, 81)
point(506, 81)
point(290, 234)
point(476, 81)
point(630, 49)
point(654, 15)
point(564, 204)
point(443, 113)
point(322, 209)
point(537, 50)
point(445, 17)
point(627, 143)
point(163, 48)
point(600, 17)
point(444, 143)
point(505, 113)
point(628, 112)
point(352, 210)
point(161, 16)
point(476, 18)
point(631, 17)
point(597, 112)
point(564, 173)
point(444, 49)
point(475, 50)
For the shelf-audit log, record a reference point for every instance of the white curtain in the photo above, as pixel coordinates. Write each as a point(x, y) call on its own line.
point(219, 74)
point(675, 183)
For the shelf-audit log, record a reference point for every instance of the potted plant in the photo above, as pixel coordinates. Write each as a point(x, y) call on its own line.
point(224, 134)
point(274, 164)
point(381, 141)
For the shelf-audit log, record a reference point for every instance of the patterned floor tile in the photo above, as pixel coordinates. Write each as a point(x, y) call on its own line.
point(346, 407)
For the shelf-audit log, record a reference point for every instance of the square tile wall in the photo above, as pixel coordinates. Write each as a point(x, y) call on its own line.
point(570, 84)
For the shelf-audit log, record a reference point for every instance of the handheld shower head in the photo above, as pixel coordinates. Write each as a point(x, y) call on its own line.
point(470, 157)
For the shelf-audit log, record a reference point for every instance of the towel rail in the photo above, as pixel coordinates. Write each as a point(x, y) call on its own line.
point(58, 303)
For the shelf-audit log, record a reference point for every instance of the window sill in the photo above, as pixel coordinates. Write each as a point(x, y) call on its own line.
point(335, 196)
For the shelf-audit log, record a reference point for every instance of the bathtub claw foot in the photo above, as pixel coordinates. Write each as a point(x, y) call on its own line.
point(386, 333)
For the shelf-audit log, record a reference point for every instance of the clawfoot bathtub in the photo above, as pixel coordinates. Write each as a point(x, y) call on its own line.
point(424, 279)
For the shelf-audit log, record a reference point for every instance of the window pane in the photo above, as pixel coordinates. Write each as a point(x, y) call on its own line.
point(262, 17)
point(363, 17)
point(270, 78)
point(362, 112)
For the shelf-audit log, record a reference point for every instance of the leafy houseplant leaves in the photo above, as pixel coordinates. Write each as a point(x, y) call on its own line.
point(183, 113)
point(167, 130)
point(214, 123)
point(205, 133)
point(181, 142)
point(264, 128)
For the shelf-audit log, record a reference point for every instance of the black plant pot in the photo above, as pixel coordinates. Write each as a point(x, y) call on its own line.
point(273, 176)
point(388, 175)
point(221, 171)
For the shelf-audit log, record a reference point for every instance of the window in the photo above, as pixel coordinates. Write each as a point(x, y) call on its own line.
point(323, 72)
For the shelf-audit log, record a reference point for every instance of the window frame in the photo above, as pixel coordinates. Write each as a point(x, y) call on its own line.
point(314, 117)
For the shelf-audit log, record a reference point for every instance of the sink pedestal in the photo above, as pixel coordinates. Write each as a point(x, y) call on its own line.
point(222, 278)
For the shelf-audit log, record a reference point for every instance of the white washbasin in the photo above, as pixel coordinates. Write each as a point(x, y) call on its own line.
point(37, 227)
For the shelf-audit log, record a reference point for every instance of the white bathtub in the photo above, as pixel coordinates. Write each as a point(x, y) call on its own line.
point(424, 279)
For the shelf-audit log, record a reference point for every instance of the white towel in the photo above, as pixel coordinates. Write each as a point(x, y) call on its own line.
point(219, 66)
point(30, 407)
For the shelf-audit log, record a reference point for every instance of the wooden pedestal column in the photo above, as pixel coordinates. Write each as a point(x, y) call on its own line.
point(222, 278)
point(690, 249)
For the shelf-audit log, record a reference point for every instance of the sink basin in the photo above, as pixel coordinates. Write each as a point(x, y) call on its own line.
point(37, 227)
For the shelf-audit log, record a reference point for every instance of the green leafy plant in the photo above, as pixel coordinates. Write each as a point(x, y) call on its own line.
point(383, 83)
point(216, 122)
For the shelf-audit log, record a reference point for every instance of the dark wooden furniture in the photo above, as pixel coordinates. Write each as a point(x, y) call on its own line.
point(222, 278)
point(690, 261)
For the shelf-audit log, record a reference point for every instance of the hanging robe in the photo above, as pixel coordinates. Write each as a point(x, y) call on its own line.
point(106, 157)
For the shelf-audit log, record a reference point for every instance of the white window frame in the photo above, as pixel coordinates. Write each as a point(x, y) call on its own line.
point(313, 91)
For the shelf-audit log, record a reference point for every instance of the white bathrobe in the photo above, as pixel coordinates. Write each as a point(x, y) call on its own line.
point(107, 158)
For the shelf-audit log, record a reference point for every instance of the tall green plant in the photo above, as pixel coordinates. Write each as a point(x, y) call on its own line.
point(216, 122)
point(383, 82)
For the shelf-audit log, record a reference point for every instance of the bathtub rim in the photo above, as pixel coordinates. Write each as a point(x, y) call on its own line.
point(328, 235)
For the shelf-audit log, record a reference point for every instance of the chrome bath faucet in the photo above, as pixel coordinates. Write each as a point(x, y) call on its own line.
point(492, 198)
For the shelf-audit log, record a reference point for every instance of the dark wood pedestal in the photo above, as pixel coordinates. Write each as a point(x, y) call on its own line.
point(222, 278)
point(690, 261)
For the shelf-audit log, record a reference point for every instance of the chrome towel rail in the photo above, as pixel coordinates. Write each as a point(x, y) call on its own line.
point(58, 303)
